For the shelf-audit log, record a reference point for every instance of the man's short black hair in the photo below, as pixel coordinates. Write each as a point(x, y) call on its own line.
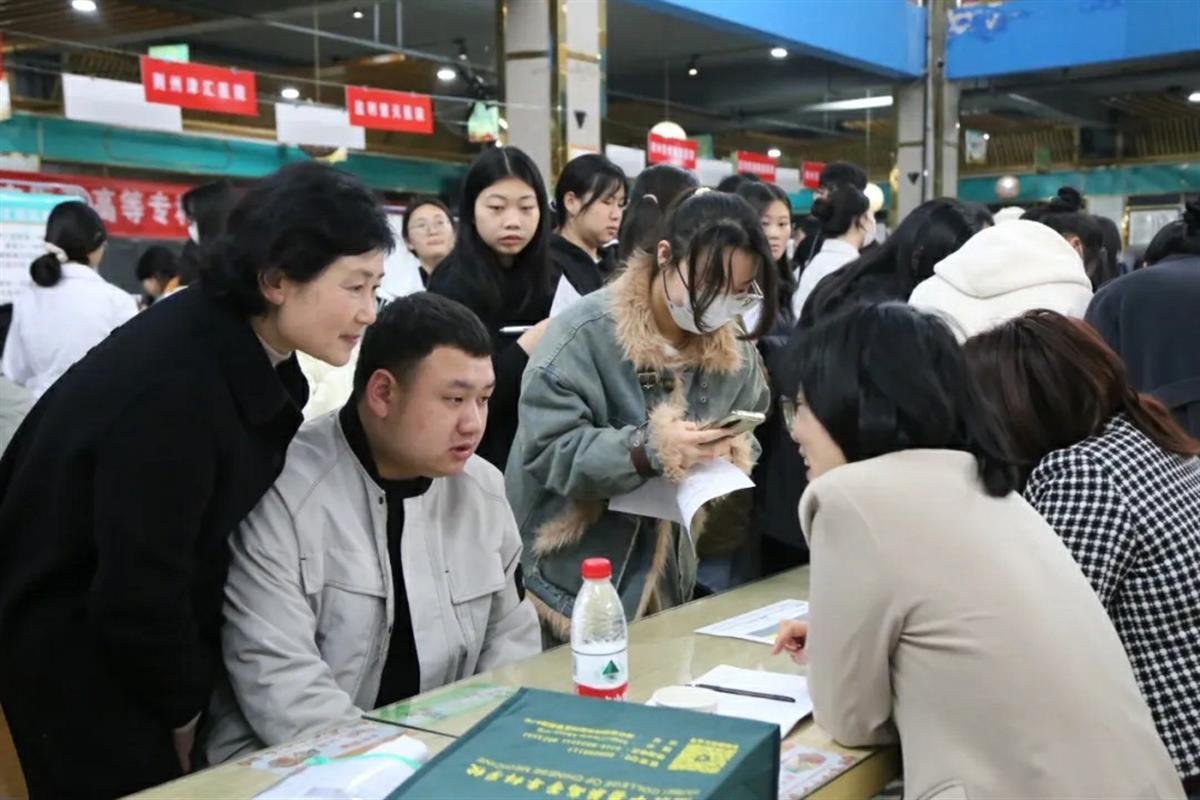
point(409, 328)
point(157, 262)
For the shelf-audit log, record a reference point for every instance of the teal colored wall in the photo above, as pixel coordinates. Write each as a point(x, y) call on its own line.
point(1122, 180)
point(58, 139)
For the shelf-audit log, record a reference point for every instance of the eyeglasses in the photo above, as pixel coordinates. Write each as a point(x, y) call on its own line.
point(749, 298)
point(426, 228)
point(788, 406)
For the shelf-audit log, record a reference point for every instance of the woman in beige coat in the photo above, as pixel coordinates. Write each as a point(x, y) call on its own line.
point(944, 611)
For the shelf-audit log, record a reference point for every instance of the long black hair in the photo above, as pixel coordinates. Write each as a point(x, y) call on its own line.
point(479, 267)
point(840, 209)
point(1178, 238)
point(209, 206)
point(761, 196)
point(700, 228)
point(590, 177)
point(75, 228)
point(652, 194)
point(886, 377)
point(1064, 214)
point(932, 231)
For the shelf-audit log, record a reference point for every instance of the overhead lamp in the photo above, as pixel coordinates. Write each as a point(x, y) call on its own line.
point(692, 69)
point(774, 152)
point(289, 93)
point(669, 130)
point(779, 52)
point(447, 74)
point(503, 123)
point(357, 13)
point(987, 137)
point(86, 6)
point(855, 104)
point(1194, 97)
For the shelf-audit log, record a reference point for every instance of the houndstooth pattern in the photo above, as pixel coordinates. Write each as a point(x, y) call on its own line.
point(1129, 512)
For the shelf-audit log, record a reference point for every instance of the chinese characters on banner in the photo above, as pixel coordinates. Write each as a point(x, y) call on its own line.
point(810, 173)
point(748, 163)
point(198, 86)
point(389, 111)
point(679, 152)
point(133, 209)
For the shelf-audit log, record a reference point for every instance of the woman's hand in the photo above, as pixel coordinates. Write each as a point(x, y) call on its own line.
point(793, 637)
point(530, 338)
point(694, 444)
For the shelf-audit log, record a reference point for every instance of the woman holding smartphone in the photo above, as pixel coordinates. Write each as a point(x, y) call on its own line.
point(627, 387)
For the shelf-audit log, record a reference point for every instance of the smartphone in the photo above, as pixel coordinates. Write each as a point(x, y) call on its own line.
point(514, 330)
point(738, 422)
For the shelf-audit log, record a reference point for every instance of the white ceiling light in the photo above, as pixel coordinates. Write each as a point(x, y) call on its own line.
point(856, 104)
point(1194, 97)
point(774, 152)
point(86, 6)
point(779, 52)
point(447, 73)
point(669, 130)
point(289, 93)
point(503, 123)
point(357, 13)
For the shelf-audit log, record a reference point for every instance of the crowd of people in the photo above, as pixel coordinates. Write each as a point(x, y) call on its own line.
point(979, 434)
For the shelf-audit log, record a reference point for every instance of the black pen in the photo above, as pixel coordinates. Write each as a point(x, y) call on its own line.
point(781, 698)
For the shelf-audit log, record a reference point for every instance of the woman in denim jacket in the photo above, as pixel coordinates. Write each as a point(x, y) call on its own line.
point(618, 392)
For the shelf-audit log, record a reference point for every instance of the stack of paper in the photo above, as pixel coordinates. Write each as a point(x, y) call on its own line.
point(781, 711)
point(658, 498)
point(760, 625)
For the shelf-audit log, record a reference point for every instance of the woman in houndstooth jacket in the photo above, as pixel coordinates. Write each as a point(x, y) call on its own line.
point(1118, 479)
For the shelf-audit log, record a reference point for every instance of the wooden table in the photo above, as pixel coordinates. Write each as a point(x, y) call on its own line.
point(663, 651)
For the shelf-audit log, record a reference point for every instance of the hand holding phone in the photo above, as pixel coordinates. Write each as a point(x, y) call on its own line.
point(737, 423)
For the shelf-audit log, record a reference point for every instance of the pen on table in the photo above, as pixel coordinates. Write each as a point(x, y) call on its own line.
point(782, 698)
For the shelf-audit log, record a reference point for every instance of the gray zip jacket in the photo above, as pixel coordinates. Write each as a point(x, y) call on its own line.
point(308, 601)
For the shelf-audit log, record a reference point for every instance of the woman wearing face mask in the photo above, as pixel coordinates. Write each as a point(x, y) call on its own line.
point(428, 233)
point(629, 377)
point(589, 200)
point(500, 269)
point(112, 594)
point(847, 225)
point(70, 308)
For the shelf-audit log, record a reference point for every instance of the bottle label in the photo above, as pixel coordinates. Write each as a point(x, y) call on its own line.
point(603, 675)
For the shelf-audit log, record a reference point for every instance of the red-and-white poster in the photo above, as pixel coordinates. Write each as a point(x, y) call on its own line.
point(390, 111)
point(133, 209)
point(199, 86)
point(750, 163)
point(679, 152)
point(810, 174)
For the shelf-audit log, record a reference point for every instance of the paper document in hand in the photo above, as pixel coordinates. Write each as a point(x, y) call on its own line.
point(564, 297)
point(785, 715)
point(660, 499)
point(760, 625)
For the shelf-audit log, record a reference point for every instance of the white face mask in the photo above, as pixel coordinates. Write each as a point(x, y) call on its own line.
point(194, 232)
point(720, 312)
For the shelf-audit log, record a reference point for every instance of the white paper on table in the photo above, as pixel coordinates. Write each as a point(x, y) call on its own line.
point(785, 715)
point(658, 498)
point(760, 625)
point(369, 776)
point(564, 297)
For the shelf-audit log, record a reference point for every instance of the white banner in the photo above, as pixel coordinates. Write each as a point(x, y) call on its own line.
point(710, 171)
point(116, 103)
point(788, 179)
point(630, 159)
point(319, 126)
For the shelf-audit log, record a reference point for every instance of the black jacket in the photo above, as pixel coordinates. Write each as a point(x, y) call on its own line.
point(585, 275)
point(1151, 317)
point(117, 496)
point(518, 308)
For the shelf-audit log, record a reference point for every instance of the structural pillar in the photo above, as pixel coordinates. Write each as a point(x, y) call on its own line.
point(927, 129)
point(552, 58)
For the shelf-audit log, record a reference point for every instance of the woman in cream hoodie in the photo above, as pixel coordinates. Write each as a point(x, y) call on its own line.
point(1002, 272)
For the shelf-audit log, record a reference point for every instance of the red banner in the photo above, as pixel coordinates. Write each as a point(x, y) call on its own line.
point(748, 163)
point(133, 209)
point(389, 111)
point(810, 174)
point(198, 86)
point(661, 150)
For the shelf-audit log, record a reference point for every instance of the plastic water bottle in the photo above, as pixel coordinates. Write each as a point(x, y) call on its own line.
point(599, 637)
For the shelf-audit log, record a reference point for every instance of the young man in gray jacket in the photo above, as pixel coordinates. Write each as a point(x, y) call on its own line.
point(385, 561)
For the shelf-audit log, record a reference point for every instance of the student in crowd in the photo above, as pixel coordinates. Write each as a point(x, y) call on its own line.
point(112, 593)
point(949, 618)
point(500, 269)
point(732, 184)
point(775, 211)
point(15, 400)
point(419, 583)
point(1002, 272)
point(620, 393)
point(1064, 214)
point(428, 233)
point(653, 193)
point(847, 224)
point(589, 200)
point(832, 175)
point(156, 269)
point(69, 309)
point(1119, 481)
point(1110, 235)
point(1151, 318)
point(207, 208)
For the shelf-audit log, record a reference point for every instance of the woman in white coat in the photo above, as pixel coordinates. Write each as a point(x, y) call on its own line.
point(848, 225)
point(70, 309)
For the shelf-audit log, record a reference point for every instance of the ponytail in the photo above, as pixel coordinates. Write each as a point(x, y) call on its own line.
point(46, 270)
point(639, 228)
point(1153, 418)
point(73, 232)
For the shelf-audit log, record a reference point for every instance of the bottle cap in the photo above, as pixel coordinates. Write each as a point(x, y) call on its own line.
point(595, 569)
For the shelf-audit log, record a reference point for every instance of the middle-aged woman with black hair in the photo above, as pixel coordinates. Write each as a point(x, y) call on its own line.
point(943, 610)
point(111, 593)
point(500, 269)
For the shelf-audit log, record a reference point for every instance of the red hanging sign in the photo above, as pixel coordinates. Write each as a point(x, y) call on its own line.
point(133, 209)
point(810, 174)
point(199, 86)
point(748, 163)
point(389, 111)
point(679, 152)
